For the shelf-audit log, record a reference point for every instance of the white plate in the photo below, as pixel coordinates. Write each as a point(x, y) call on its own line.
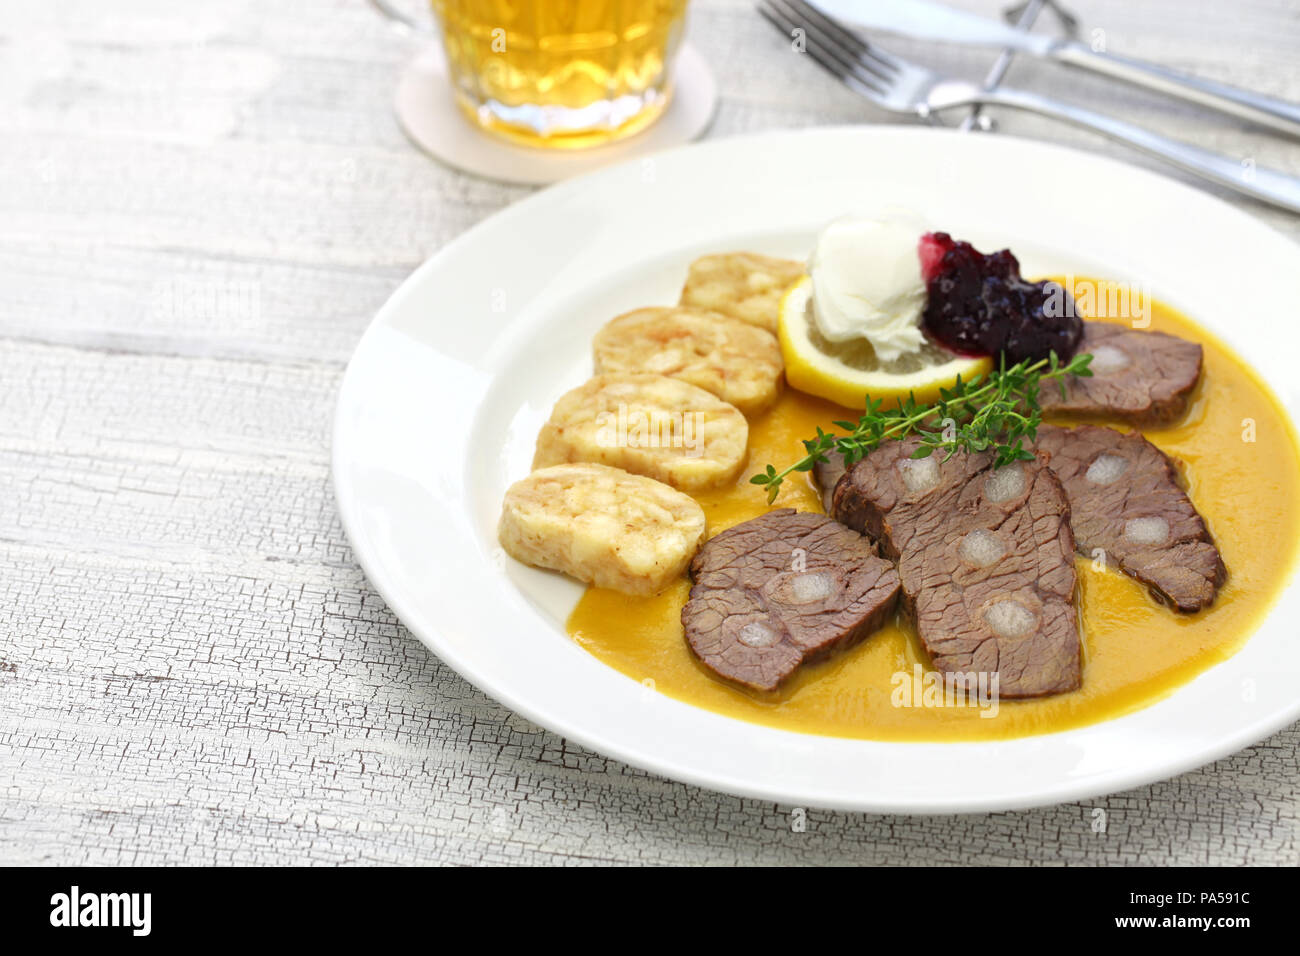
point(443, 399)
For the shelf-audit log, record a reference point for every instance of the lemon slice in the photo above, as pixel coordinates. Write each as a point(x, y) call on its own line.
point(847, 372)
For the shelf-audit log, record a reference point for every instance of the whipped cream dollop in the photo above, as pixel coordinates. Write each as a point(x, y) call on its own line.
point(866, 284)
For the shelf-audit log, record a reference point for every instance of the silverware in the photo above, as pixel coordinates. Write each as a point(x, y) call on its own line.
point(1025, 16)
point(933, 21)
point(903, 87)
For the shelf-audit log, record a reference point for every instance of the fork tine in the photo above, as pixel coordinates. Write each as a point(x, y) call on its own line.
point(822, 47)
point(835, 41)
point(846, 38)
point(840, 66)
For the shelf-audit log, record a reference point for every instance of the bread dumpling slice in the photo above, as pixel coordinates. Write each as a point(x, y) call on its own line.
point(738, 362)
point(743, 285)
point(602, 526)
point(650, 425)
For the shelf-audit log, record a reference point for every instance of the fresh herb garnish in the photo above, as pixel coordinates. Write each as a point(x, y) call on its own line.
point(993, 412)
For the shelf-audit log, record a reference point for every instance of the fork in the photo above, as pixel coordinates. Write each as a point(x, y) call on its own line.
point(902, 87)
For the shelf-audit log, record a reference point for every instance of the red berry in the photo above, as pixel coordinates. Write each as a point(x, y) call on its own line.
point(932, 248)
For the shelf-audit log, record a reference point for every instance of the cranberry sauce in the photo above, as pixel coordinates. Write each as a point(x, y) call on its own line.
point(978, 304)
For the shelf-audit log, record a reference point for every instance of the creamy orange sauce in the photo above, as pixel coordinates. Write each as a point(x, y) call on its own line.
point(1135, 650)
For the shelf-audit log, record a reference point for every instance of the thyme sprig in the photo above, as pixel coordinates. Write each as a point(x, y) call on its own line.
point(994, 412)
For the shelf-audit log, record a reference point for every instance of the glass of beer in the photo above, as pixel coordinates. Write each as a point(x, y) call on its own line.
point(561, 73)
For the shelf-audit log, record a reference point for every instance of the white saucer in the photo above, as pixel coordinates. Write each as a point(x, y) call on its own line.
point(430, 117)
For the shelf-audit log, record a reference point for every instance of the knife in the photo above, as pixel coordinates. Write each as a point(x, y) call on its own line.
point(934, 21)
point(1027, 14)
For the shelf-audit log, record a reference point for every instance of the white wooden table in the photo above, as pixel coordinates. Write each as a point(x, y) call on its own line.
point(202, 204)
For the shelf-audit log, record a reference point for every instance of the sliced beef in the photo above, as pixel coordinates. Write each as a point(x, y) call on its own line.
point(783, 590)
point(826, 474)
point(985, 558)
point(1125, 499)
point(1138, 376)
